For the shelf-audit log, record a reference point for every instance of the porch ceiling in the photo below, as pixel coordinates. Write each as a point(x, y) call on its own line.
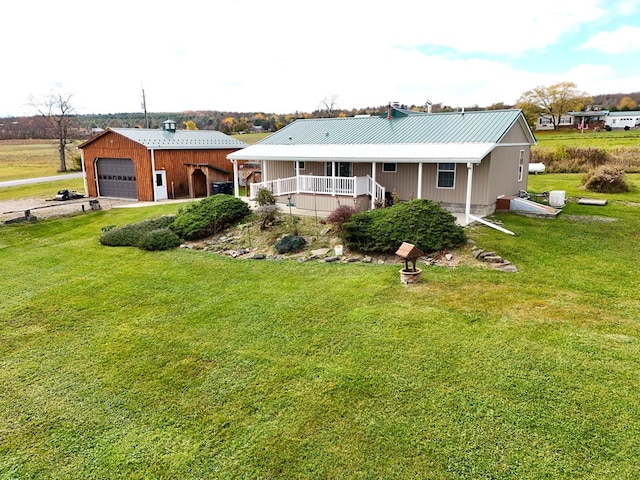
point(391, 153)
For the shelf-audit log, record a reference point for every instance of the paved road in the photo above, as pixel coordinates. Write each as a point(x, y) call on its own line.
point(26, 181)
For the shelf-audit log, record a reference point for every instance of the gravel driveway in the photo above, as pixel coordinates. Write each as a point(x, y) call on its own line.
point(12, 209)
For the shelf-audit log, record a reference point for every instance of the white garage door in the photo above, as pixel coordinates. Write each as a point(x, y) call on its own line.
point(116, 178)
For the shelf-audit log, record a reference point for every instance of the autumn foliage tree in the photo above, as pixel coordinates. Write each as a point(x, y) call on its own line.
point(553, 101)
point(627, 104)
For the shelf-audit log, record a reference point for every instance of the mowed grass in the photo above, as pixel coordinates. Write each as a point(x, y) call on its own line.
point(119, 363)
point(601, 139)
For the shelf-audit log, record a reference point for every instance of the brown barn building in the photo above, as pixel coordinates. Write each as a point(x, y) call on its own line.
point(152, 165)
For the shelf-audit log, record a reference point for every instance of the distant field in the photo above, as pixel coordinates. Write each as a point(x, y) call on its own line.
point(31, 158)
point(603, 139)
point(251, 138)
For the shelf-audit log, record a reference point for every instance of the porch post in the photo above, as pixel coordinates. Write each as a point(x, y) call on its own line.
point(374, 189)
point(297, 176)
point(236, 183)
point(333, 179)
point(467, 208)
point(419, 190)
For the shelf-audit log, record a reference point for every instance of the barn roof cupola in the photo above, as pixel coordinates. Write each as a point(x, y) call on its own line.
point(169, 126)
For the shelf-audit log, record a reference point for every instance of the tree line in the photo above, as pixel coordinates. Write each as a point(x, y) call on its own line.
point(58, 119)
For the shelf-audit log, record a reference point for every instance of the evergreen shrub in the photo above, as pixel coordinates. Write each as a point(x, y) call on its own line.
point(208, 216)
point(422, 223)
point(130, 235)
point(290, 244)
point(161, 239)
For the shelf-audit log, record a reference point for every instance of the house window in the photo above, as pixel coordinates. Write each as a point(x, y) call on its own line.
point(521, 166)
point(446, 175)
point(300, 165)
point(343, 169)
point(390, 167)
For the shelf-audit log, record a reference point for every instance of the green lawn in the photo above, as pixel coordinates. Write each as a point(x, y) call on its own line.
point(602, 139)
point(120, 363)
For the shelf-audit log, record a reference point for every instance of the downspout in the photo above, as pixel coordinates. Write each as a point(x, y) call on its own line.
point(419, 190)
point(467, 208)
point(153, 174)
point(467, 205)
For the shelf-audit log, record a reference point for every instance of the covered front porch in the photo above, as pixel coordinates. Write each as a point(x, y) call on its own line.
point(322, 185)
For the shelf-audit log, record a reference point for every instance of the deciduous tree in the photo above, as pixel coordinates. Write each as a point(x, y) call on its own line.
point(554, 101)
point(56, 108)
point(329, 106)
point(627, 104)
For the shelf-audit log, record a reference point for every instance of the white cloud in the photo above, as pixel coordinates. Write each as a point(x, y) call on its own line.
point(623, 40)
point(285, 55)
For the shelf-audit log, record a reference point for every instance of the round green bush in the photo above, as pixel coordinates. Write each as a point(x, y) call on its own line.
point(161, 239)
point(131, 234)
point(422, 223)
point(209, 216)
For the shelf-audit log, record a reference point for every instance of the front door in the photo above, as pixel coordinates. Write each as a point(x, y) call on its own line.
point(160, 184)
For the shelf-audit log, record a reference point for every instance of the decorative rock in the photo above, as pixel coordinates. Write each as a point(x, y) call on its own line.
point(258, 256)
point(320, 251)
point(331, 259)
point(367, 259)
point(506, 267)
point(448, 257)
point(493, 259)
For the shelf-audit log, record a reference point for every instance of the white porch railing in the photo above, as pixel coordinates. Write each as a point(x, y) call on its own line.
point(352, 186)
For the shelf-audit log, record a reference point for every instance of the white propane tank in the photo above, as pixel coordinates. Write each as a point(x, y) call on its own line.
point(536, 168)
point(556, 198)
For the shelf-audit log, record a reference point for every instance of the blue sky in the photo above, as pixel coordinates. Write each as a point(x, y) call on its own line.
point(286, 56)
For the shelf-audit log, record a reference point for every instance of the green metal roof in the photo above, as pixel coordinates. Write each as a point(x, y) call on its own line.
point(403, 127)
point(180, 139)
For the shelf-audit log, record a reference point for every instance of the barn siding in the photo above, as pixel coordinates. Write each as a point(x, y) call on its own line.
point(114, 145)
point(175, 161)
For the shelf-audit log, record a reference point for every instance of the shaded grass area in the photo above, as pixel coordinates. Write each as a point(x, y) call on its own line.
point(116, 362)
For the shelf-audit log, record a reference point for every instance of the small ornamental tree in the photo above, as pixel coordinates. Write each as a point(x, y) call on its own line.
point(340, 215)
